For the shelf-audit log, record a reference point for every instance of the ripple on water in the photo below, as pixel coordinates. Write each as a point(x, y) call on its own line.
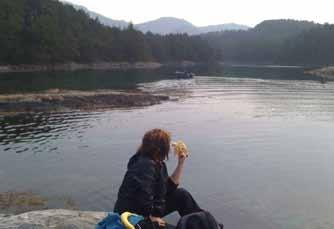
point(263, 97)
point(41, 129)
point(262, 137)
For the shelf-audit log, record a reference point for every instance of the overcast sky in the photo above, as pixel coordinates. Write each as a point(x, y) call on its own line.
point(209, 12)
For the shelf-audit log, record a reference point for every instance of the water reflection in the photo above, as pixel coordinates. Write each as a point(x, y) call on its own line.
point(262, 147)
point(255, 97)
point(38, 129)
point(92, 80)
point(79, 80)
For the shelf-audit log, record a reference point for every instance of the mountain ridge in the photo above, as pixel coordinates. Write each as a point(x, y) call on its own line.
point(167, 25)
point(163, 25)
point(103, 19)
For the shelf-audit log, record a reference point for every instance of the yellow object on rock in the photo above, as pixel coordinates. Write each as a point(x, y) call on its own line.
point(125, 219)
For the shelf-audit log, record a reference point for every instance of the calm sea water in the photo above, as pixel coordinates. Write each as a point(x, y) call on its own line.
point(261, 143)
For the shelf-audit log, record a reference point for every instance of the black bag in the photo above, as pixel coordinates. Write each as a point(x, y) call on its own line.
point(148, 224)
point(199, 220)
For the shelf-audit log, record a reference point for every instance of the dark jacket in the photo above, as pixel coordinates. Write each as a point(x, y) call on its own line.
point(144, 187)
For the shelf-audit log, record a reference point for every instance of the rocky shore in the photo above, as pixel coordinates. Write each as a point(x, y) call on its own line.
point(54, 218)
point(327, 72)
point(79, 66)
point(65, 100)
point(27, 210)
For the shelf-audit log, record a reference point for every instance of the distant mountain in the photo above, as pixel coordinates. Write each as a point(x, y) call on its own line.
point(107, 21)
point(223, 27)
point(166, 25)
point(103, 19)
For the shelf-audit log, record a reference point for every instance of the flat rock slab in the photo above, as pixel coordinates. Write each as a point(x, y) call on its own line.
point(55, 218)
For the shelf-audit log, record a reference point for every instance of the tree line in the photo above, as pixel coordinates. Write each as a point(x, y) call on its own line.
point(277, 42)
point(49, 32)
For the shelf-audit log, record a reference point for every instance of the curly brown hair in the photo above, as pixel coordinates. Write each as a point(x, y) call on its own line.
point(155, 145)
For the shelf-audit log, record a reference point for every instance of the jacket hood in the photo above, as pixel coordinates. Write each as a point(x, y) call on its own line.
point(137, 159)
point(133, 160)
point(140, 160)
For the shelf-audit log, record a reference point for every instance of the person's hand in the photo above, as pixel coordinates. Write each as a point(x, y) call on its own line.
point(181, 150)
point(158, 220)
point(181, 158)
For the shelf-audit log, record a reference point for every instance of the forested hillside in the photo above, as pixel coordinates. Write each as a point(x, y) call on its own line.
point(48, 31)
point(266, 43)
point(312, 47)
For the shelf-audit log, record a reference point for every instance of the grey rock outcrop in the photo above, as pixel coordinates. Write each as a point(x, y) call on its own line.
point(55, 219)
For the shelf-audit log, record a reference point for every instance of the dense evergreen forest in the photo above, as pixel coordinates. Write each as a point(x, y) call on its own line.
point(277, 42)
point(48, 32)
point(315, 46)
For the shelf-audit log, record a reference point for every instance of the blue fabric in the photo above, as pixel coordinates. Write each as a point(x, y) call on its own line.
point(111, 221)
point(134, 219)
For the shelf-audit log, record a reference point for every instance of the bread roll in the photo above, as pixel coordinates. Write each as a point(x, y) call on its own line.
point(180, 148)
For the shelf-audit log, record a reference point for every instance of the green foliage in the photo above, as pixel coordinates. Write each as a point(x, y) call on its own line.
point(314, 46)
point(277, 42)
point(48, 32)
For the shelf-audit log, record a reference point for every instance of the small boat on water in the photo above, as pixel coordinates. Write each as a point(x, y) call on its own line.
point(184, 75)
point(323, 79)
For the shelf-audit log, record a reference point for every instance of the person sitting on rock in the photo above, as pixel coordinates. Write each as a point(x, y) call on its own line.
point(147, 189)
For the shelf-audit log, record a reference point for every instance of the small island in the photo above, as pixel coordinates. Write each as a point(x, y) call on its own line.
point(326, 72)
point(67, 100)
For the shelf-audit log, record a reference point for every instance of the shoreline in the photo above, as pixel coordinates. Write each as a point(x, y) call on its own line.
point(56, 100)
point(100, 66)
point(325, 72)
point(97, 66)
